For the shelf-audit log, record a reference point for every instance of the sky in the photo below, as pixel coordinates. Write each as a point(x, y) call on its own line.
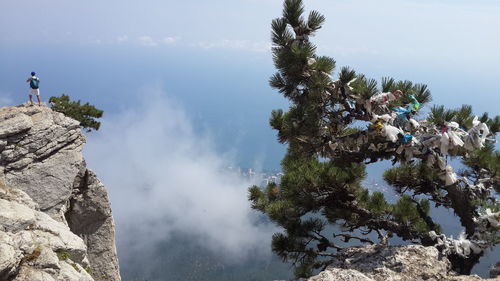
point(451, 31)
point(184, 88)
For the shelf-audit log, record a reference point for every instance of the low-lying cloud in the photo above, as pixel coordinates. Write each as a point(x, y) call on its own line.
point(149, 41)
point(246, 45)
point(165, 178)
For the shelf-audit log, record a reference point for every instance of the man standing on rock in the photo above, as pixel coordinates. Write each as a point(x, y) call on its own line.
point(34, 90)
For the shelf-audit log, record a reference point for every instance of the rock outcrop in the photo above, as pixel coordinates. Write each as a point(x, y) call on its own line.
point(55, 215)
point(34, 246)
point(495, 270)
point(384, 263)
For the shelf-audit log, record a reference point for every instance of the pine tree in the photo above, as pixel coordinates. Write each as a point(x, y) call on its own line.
point(321, 201)
point(86, 114)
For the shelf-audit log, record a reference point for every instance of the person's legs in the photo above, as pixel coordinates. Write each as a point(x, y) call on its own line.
point(38, 98)
point(31, 99)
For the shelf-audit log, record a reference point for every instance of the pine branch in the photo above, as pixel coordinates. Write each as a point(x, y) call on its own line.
point(422, 93)
point(346, 75)
point(281, 35)
point(315, 20)
point(388, 84)
point(292, 12)
point(424, 215)
point(348, 237)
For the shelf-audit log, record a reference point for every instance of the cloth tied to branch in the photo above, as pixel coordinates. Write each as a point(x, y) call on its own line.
point(477, 135)
point(450, 177)
point(391, 133)
point(415, 105)
point(382, 98)
point(377, 126)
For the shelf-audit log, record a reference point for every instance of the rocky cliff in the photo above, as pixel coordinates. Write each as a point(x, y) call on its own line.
point(384, 263)
point(55, 215)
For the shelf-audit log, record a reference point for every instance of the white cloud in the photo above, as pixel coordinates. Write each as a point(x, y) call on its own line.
point(147, 41)
point(122, 39)
point(246, 45)
point(166, 178)
point(94, 41)
point(170, 40)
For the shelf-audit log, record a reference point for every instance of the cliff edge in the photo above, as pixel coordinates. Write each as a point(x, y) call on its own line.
point(55, 216)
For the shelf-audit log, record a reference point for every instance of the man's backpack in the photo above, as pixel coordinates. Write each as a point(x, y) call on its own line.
point(34, 83)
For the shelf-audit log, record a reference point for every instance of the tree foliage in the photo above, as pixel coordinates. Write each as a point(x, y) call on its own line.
point(86, 113)
point(321, 201)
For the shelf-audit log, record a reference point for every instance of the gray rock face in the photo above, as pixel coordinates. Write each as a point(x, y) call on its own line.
point(50, 188)
point(338, 274)
point(495, 270)
point(383, 263)
point(12, 124)
point(89, 216)
point(42, 155)
point(34, 246)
